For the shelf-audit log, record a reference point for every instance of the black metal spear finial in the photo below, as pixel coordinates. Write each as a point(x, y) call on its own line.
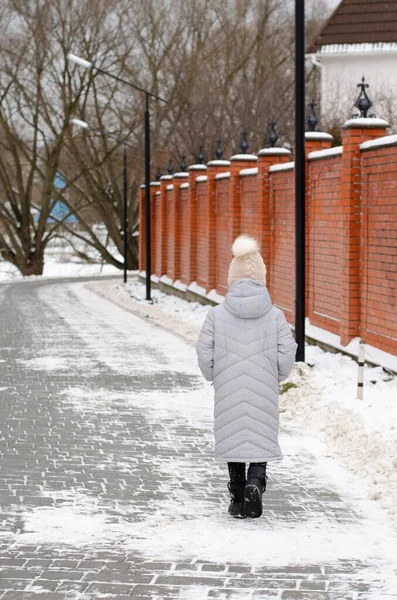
point(219, 150)
point(200, 156)
point(272, 136)
point(158, 174)
point(244, 144)
point(312, 119)
point(170, 168)
point(183, 165)
point(363, 103)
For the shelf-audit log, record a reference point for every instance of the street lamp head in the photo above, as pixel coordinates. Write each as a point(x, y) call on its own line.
point(79, 123)
point(79, 61)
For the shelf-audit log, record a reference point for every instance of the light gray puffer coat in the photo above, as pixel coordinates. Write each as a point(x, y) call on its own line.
point(246, 348)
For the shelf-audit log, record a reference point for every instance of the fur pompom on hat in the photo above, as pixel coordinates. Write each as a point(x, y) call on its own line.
point(247, 262)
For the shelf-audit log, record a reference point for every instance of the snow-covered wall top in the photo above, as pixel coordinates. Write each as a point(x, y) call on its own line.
point(225, 175)
point(283, 167)
point(388, 140)
point(253, 171)
point(327, 153)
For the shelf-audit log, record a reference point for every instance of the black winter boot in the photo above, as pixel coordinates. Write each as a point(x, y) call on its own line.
point(256, 485)
point(236, 506)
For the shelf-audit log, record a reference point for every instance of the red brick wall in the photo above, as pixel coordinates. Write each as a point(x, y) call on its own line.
point(202, 229)
point(351, 221)
point(170, 210)
point(379, 249)
point(223, 253)
point(157, 225)
point(324, 243)
point(281, 273)
point(250, 222)
point(185, 234)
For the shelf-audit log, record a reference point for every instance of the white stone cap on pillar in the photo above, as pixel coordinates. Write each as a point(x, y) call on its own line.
point(142, 187)
point(274, 152)
point(181, 174)
point(166, 177)
point(197, 168)
point(360, 122)
point(244, 157)
point(154, 183)
point(318, 135)
point(219, 163)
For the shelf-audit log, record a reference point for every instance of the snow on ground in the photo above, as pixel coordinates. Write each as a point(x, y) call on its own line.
point(168, 311)
point(321, 399)
point(62, 261)
point(181, 525)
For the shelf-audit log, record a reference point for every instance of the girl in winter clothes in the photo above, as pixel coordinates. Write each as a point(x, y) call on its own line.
point(246, 349)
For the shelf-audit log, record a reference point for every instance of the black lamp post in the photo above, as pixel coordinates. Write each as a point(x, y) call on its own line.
point(300, 178)
point(88, 65)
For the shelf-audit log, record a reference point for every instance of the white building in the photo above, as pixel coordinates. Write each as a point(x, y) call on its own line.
point(359, 39)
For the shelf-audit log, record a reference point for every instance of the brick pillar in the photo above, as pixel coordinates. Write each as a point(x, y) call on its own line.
point(214, 168)
point(266, 158)
point(237, 162)
point(355, 131)
point(314, 142)
point(174, 233)
point(191, 248)
point(161, 226)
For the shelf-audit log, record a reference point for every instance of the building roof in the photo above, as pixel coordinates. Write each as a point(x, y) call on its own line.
point(359, 22)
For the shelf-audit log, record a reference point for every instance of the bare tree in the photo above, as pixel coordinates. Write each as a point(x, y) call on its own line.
point(224, 65)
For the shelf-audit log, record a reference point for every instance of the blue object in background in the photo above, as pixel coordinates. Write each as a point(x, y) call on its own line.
point(59, 209)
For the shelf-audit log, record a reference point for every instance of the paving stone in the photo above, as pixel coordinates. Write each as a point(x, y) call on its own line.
point(118, 456)
point(58, 575)
point(13, 584)
point(109, 588)
point(45, 584)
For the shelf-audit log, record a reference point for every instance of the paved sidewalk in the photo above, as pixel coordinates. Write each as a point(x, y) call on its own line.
point(108, 488)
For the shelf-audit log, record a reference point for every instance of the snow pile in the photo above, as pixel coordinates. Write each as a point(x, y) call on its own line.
point(322, 399)
point(171, 312)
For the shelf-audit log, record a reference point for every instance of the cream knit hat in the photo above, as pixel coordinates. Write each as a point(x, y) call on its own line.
point(247, 262)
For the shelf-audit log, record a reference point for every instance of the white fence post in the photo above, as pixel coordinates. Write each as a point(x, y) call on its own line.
point(361, 361)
